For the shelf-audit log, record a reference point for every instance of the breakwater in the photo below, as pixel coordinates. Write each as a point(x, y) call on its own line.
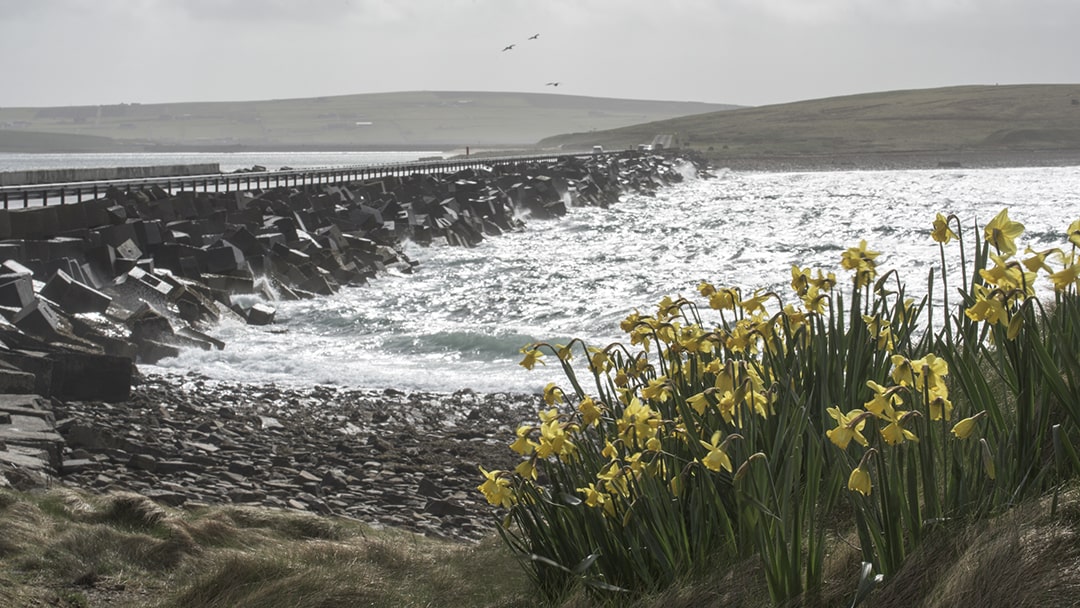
point(87, 290)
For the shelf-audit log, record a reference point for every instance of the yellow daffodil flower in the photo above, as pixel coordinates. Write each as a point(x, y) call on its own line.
point(522, 445)
point(859, 481)
point(638, 423)
point(666, 309)
point(590, 413)
point(894, 433)
point(824, 282)
point(1015, 325)
point(723, 299)
point(1074, 233)
point(526, 469)
point(610, 451)
point(657, 389)
point(599, 360)
point(942, 232)
point(940, 408)
point(1009, 276)
point(815, 301)
point(596, 498)
point(1001, 232)
point(552, 394)
point(756, 303)
point(532, 357)
point(929, 373)
point(716, 459)
point(1069, 275)
point(1037, 261)
point(964, 428)
point(699, 402)
point(614, 479)
point(903, 373)
point(885, 399)
point(861, 260)
point(848, 426)
point(800, 280)
point(706, 289)
point(496, 488)
point(988, 306)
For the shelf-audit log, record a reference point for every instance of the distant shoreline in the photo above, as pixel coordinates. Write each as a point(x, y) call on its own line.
point(895, 161)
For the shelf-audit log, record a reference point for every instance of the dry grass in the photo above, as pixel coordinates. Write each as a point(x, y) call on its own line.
point(1025, 558)
point(64, 548)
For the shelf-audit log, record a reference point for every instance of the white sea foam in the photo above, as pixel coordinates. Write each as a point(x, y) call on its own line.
point(461, 318)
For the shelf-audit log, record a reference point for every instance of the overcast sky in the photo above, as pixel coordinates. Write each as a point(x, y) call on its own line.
point(747, 52)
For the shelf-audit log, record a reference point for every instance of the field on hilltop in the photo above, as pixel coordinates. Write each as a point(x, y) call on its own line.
point(406, 120)
point(966, 118)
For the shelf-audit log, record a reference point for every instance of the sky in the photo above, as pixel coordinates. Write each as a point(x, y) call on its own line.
point(743, 52)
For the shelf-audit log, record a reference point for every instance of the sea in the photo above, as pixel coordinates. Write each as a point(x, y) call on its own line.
point(461, 318)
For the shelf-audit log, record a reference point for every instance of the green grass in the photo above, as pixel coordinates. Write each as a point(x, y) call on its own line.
point(952, 119)
point(417, 120)
point(1014, 117)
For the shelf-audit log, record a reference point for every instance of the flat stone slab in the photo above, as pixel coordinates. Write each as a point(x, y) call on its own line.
point(25, 405)
point(24, 458)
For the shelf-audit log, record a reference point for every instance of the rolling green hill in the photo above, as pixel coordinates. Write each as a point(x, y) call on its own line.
point(984, 118)
point(410, 120)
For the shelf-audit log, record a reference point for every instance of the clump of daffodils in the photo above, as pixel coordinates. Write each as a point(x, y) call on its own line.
point(689, 425)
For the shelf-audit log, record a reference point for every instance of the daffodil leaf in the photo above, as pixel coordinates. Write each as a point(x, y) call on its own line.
point(549, 562)
point(606, 586)
point(570, 499)
point(866, 583)
point(586, 563)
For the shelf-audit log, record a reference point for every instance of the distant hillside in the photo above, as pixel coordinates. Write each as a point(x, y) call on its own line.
point(413, 120)
point(32, 142)
point(968, 118)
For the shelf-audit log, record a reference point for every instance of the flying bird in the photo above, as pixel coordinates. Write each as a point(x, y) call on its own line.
point(534, 36)
point(509, 47)
point(552, 84)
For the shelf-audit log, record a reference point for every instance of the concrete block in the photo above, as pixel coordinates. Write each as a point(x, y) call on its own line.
point(14, 381)
point(16, 290)
point(260, 314)
point(80, 376)
point(39, 319)
point(74, 296)
point(32, 362)
point(128, 250)
point(222, 258)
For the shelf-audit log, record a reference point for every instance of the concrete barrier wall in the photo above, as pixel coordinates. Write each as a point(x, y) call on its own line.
point(63, 176)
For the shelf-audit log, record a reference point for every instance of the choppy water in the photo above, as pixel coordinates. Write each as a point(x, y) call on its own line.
point(461, 319)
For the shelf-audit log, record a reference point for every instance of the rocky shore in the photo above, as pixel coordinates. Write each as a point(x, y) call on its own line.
point(383, 457)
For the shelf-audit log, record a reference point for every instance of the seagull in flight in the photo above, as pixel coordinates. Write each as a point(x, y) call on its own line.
point(552, 84)
point(509, 47)
point(534, 36)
